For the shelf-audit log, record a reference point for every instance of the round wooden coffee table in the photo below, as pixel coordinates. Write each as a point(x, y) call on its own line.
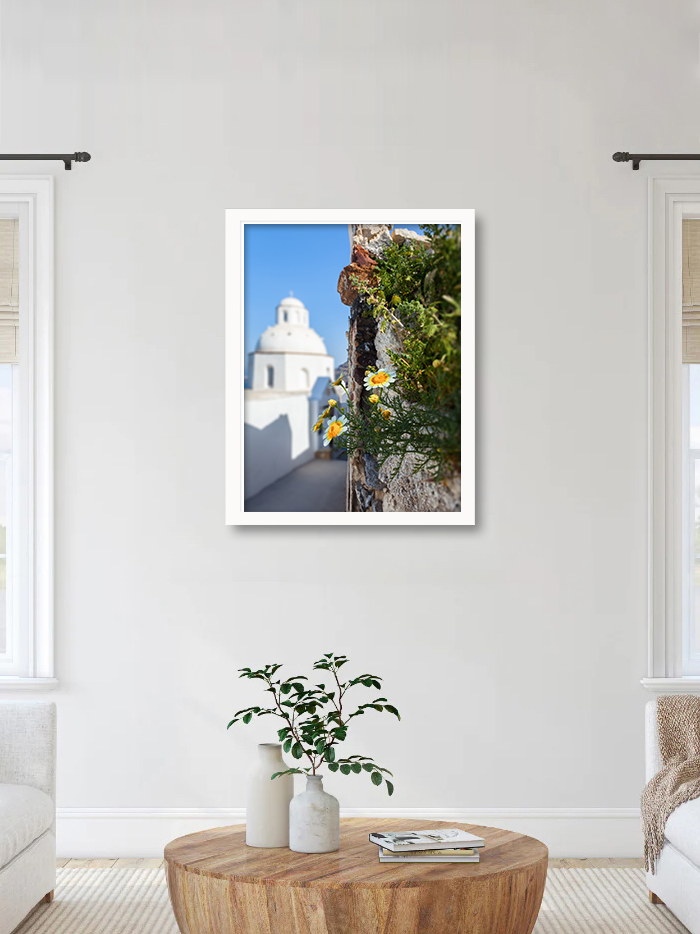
point(218, 885)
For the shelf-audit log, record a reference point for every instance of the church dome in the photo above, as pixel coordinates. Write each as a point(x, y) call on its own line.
point(292, 333)
point(291, 338)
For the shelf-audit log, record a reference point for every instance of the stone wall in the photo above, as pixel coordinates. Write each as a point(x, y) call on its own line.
point(372, 488)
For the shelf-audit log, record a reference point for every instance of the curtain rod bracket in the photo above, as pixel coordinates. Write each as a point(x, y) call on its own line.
point(626, 157)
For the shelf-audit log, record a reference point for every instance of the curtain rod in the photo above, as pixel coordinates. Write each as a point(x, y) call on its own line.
point(66, 158)
point(636, 157)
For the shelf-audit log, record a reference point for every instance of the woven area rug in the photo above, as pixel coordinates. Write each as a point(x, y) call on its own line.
point(135, 901)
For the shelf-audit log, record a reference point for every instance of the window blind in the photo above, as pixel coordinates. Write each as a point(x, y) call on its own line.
point(9, 290)
point(691, 291)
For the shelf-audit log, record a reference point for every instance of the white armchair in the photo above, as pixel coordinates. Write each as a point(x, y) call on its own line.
point(27, 809)
point(676, 882)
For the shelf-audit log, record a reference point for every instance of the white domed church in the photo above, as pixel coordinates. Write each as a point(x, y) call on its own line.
point(289, 382)
point(290, 355)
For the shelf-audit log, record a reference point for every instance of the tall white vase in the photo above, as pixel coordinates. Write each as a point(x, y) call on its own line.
point(267, 805)
point(314, 819)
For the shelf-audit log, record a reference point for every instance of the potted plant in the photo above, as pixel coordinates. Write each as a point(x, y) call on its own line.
point(316, 719)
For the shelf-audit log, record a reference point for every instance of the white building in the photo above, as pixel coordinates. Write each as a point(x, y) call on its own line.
point(283, 371)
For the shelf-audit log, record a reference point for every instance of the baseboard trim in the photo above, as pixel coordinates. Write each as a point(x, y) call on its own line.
point(138, 832)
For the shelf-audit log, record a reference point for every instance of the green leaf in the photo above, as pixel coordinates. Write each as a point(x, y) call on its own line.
point(389, 787)
point(297, 750)
point(356, 767)
point(393, 710)
point(330, 754)
point(333, 766)
point(231, 722)
point(288, 745)
point(345, 769)
point(298, 687)
point(377, 778)
point(368, 766)
point(247, 717)
point(285, 689)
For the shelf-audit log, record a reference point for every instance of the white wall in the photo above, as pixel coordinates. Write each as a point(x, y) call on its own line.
point(528, 631)
point(277, 437)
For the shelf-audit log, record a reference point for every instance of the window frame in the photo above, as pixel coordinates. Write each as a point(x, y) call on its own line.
point(32, 666)
point(670, 200)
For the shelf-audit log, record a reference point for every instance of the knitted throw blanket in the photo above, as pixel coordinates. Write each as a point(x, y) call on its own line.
point(678, 718)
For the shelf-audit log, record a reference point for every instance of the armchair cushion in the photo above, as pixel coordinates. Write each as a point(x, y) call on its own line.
point(25, 814)
point(683, 830)
point(28, 744)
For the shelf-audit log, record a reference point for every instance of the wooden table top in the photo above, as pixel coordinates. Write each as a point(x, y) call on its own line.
point(222, 854)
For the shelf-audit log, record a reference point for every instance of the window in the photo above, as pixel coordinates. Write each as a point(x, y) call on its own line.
point(270, 377)
point(26, 581)
point(690, 429)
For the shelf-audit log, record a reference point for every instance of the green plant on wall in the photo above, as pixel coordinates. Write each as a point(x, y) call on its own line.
point(416, 408)
point(317, 717)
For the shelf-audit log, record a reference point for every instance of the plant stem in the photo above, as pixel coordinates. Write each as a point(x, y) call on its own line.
point(339, 705)
point(290, 723)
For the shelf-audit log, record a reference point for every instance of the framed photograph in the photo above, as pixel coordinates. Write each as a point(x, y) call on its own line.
point(350, 367)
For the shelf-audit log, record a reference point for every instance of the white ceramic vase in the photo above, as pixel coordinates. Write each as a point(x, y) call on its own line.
point(267, 805)
point(314, 819)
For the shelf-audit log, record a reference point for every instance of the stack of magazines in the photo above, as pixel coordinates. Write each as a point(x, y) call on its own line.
point(428, 846)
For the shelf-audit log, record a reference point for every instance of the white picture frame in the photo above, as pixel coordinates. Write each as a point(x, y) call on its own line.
point(236, 220)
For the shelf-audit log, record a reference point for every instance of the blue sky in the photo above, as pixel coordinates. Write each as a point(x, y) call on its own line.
point(305, 259)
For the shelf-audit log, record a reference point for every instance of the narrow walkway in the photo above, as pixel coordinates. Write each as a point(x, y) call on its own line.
point(318, 486)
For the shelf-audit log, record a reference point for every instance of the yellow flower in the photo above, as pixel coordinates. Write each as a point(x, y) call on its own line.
point(386, 414)
point(437, 363)
point(331, 403)
point(374, 398)
point(317, 426)
point(335, 428)
point(338, 381)
point(379, 379)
